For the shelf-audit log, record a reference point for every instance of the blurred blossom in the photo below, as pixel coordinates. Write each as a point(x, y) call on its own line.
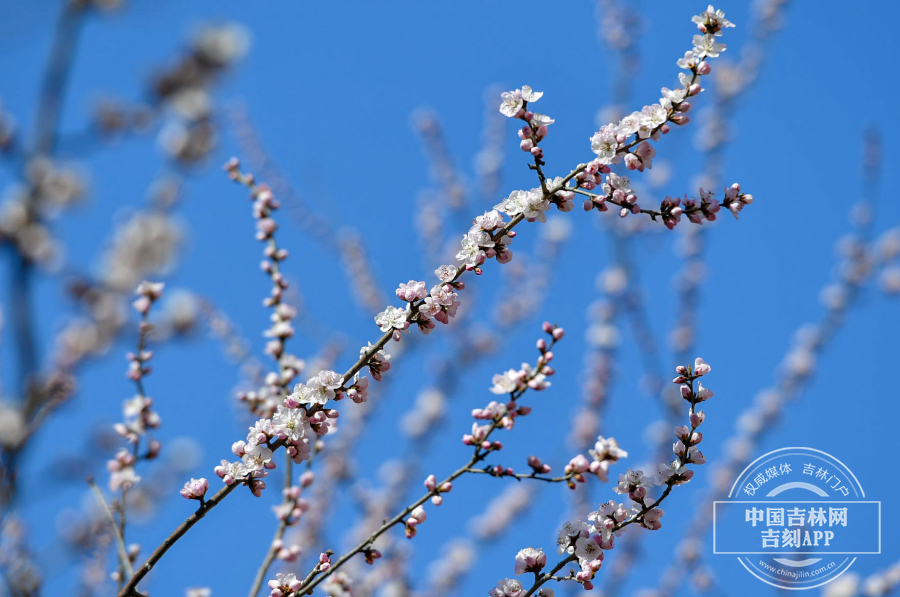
point(144, 245)
point(557, 230)
point(846, 585)
point(457, 558)
point(890, 279)
point(183, 454)
point(425, 414)
point(53, 187)
point(191, 103)
point(187, 142)
point(12, 425)
point(221, 45)
point(181, 311)
point(502, 511)
point(7, 129)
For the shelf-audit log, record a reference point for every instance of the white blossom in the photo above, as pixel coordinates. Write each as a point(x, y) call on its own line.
point(510, 103)
point(530, 96)
point(712, 21)
point(607, 449)
point(706, 45)
point(292, 423)
point(504, 383)
point(586, 549)
point(604, 144)
point(256, 457)
point(392, 318)
point(508, 587)
point(470, 253)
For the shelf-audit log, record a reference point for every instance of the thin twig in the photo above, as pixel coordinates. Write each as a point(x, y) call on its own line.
point(279, 533)
point(124, 560)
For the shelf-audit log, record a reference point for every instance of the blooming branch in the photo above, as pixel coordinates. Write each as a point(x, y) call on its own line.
point(515, 383)
point(586, 542)
point(303, 414)
point(139, 419)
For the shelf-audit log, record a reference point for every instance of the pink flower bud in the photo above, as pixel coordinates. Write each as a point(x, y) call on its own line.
point(195, 489)
point(697, 419)
point(578, 464)
point(700, 367)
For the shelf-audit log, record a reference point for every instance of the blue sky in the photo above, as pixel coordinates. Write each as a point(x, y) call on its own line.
point(330, 89)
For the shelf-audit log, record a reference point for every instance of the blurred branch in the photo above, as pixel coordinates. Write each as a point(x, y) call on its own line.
point(50, 105)
point(56, 76)
point(120, 541)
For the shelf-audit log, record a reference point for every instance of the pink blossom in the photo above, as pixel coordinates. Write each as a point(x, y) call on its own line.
point(195, 489)
point(530, 560)
point(412, 291)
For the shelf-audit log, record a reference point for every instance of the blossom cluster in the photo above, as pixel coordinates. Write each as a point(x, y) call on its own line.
point(191, 134)
point(296, 424)
point(514, 104)
point(139, 416)
point(605, 452)
point(617, 191)
point(514, 382)
point(628, 140)
point(50, 188)
point(438, 304)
